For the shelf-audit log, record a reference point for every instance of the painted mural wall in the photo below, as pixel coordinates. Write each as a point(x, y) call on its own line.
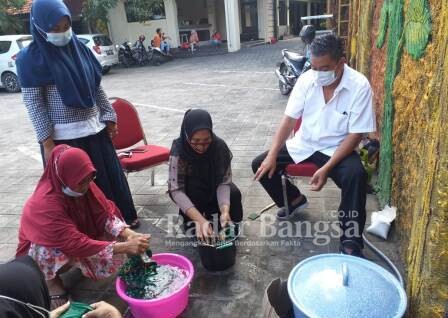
point(405, 55)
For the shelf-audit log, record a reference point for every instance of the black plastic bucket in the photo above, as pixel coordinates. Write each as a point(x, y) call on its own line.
point(217, 258)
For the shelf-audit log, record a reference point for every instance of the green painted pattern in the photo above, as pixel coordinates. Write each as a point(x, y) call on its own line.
point(391, 27)
point(415, 34)
point(417, 28)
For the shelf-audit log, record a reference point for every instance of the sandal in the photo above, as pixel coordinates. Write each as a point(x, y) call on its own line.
point(351, 247)
point(134, 224)
point(58, 300)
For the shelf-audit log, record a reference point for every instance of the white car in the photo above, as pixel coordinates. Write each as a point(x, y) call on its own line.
point(10, 45)
point(102, 47)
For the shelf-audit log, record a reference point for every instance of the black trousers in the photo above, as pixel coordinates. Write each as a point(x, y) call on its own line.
point(349, 175)
point(110, 177)
point(208, 210)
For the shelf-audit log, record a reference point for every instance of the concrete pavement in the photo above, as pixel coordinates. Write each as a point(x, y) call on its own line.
point(240, 91)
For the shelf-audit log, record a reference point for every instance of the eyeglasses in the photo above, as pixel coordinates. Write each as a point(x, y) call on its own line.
point(195, 144)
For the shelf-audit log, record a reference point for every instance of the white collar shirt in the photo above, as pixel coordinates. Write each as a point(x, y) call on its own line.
point(325, 125)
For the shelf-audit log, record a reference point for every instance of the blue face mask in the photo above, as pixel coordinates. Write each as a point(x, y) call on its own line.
point(72, 193)
point(60, 39)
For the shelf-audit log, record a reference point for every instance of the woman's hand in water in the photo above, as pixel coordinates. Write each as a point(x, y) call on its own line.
point(225, 216)
point(138, 244)
point(112, 129)
point(204, 231)
point(134, 246)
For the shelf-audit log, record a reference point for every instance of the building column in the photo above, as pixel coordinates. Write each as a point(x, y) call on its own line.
point(277, 16)
point(171, 21)
point(232, 25)
point(269, 9)
point(308, 11)
point(288, 31)
point(211, 11)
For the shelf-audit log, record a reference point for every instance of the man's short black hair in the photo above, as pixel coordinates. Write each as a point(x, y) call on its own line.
point(328, 44)
point(158, 30)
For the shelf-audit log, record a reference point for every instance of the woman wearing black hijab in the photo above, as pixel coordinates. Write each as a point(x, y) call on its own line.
point(22, 281)
point(200, 177)
point(24, 293)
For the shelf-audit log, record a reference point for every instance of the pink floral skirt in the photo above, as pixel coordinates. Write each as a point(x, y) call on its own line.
point(98, 266)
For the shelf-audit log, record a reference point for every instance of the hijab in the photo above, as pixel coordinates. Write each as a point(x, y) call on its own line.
point(52, 219)
point(210, 166)
point(22, 287)
point(72, 68)
point(194, 36)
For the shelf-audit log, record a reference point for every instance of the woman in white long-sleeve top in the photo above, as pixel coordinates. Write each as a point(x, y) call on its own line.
point(61, 86)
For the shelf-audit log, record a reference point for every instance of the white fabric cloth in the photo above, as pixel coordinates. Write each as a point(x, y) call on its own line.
point(78, 129)
point(325, 126)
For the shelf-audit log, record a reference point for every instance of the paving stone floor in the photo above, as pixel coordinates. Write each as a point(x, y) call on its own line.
point(240, 91)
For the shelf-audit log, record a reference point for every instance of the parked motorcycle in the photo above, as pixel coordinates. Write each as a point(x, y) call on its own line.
point(144, 57)
point(294, 64)
point(126, 55)
point(158, 56)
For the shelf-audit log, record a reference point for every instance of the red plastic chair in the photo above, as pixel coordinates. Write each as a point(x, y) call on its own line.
point(134, 157)
point(303, 169)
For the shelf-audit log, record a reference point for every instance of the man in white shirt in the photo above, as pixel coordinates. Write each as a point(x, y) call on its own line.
point(335, 104)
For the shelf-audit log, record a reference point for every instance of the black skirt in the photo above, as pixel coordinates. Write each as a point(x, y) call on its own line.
point(110, 177)
point(209, 206)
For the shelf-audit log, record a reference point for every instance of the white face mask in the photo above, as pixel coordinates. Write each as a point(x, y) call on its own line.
point(72, 193)
point(60, 39)
point(324, 78)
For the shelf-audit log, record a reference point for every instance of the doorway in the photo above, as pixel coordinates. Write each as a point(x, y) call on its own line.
point(297, 9)
point(249, 20)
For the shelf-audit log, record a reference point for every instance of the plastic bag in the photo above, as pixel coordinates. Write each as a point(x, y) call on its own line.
point(381, 221)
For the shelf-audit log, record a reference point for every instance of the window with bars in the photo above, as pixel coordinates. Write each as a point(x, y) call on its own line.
point(156, 11)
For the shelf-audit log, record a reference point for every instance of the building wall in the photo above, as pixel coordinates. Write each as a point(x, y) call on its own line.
point(121, 30)
point(419, 144)
point(377, 65)
point(192, 10)
point(214, 10)
point(420, 179)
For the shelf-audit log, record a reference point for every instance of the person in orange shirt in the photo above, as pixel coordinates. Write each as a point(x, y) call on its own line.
point(159, 41)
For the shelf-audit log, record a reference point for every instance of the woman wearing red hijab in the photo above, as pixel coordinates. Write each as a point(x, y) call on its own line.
point(67, 222)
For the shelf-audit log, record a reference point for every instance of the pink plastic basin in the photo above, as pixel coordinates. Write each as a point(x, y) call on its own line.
point(169, 306)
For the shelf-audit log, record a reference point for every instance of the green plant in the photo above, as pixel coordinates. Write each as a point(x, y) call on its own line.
point(8, 21)
point(142, 10)
point(95, 11)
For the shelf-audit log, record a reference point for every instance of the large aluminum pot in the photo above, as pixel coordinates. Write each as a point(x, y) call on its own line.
point(343, 286)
